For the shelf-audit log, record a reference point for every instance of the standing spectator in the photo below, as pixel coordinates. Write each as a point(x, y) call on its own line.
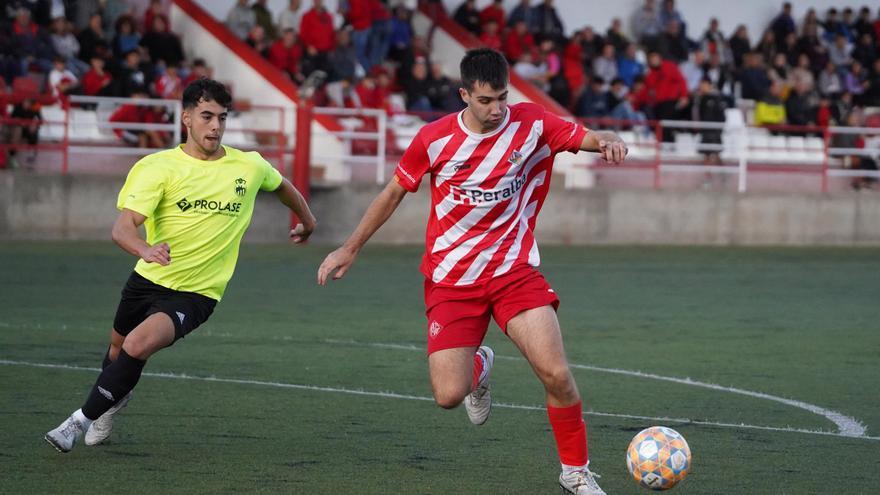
point(285, 54)
point(263, 17)
point(127, 38)
point(863, 25)
point(493, 12)
point(416, 88)
point(518, 42)
point(522, 12)
point(153, 10)
point(783, 24)
point(547, 22)
point(770, 110)
point(256, 39)
point(573, 66)
point(664, 94)
point(26, 130)
point(490, 37)
point(753, 77)
point(468, 17)
point(739, 45)
point(615, 36)
point(693, 71)
point(316, 29)
point(291, 16)
point(830, 83)
point(131, 78)
point(97, 81)
point(380, 32)
point(67, 46)
point(170, 85)
point(713, 42)
point(31, 43)
point(709, 106)
point(673, 43)
point(669, 13)
point(241, 19)
point(645, 25)
point(361, 21)
point(401, 33)
point(628, 66)
point(831, 25)
point(91, 36)
point(163, 46)
point(61, 80)
point(605, 65)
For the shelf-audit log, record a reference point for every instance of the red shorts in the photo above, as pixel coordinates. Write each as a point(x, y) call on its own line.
point(459, 316)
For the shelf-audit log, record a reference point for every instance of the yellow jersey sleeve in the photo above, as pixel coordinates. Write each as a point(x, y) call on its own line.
point(272, 179)
point(143, 189)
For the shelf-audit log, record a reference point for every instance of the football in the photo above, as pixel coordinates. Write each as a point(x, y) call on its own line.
point(658, 458)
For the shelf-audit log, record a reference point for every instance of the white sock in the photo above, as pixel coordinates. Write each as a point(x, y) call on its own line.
point(83, 420)
point(567, 470)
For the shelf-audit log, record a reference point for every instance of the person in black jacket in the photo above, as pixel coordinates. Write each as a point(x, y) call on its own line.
point(709, 106)
point(468, 16)
point(162, 44)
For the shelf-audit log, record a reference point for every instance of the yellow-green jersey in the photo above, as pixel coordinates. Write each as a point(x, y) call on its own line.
point(201, 209)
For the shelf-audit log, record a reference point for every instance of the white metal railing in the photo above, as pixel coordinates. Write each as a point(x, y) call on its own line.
point(353, 119)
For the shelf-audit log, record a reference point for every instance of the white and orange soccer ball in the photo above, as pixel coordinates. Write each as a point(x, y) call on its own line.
point(658, 458)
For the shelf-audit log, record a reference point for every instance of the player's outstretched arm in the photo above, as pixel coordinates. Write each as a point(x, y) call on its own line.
point(376, 215)
point(125, 234)
point(292, 199)
point(610, 147)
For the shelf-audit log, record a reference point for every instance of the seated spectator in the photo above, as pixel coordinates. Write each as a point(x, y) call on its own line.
point(779, 71)
point(127, 38)
point(798, 108)
point(91, 36)
point(593, 102)
point(140, 114)
point(401, 33)
point(709, 106)
point(153, 10)
point(865, 51)
point(645, 25)
point(493, 12)
point(801, 74)
point(813, 47)
point(739, 45)
point(442, 91)
point(872, 94)
point(256, 39)
point(693, 70)
point(25, 131)
point(61, 80)
point(241, 19)
point(628, 67)
point(863, 23)
point(527, 69)
point(344, 69)
point(263, 17)
point(619, 102)
point(468, 17)
point(518, 42)
point(312, 60)
point(67, 46)
point(170, 85)
point(490, 37)
point(856, 81)
point(521, 13)
point(31, 43)
point(592, 44)
point(720, 75)
point(616, 37)
point(830, 83)
point(97, 81)
point(839, 51)
point(416, 88)
point(316, 28)
point(557, 86)
point(770, 110)
point(767, 47)
point(547, 22)
point(285, 54)
point(789, 48)
point(713, 42)
point(163, 46)
point(605, 65)
point(753, 77)
point(131, 76)
point(291, 16)
point(198, 70)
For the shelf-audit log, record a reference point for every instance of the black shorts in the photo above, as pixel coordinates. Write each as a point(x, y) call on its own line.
point(142, 298)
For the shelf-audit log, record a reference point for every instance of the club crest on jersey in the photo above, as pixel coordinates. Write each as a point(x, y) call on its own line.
point(516, 158)
point(240, 186)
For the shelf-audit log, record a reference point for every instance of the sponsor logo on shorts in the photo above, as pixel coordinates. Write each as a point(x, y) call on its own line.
point(434, 329)
point(181, 316)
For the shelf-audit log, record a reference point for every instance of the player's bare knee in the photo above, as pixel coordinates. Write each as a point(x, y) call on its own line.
point(137, 348)
point(558, 381)
point(449, 398)
point(113, 352)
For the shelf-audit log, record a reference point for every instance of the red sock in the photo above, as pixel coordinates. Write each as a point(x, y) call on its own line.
point(571, 434)
point(478, 370)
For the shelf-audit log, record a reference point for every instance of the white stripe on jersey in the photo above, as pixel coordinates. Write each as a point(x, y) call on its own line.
point(435, 148)
point(513, 253)
point(493, 157)
point(485, 256)
point(461, 154)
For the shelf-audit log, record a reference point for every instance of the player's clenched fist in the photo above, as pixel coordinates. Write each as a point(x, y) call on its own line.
point(612, 151)
point(158, 253)
point(339, 260)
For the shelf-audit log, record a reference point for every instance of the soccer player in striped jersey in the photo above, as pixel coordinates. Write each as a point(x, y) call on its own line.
point(489, 168)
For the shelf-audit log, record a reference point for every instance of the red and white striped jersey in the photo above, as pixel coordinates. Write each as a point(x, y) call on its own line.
point(486, 190)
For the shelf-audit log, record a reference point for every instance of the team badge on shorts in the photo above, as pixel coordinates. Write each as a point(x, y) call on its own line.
point(434, 329)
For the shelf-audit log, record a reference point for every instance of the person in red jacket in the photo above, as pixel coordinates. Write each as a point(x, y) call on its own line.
point(361, 20)
point(518, 41)
point(96, 82)
point(140, 114)
point(490, 37)
point(494, 12)
point(285, 54)
point(665, 93)
point(316, 28)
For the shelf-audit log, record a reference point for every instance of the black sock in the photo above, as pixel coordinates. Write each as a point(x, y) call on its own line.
point(107, 360)
point(114, 383)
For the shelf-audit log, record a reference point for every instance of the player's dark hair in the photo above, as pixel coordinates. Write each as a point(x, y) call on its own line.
point(486, 66)
point(207, 90)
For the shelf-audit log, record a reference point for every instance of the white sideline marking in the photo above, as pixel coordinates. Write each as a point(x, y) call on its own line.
point(394, 395)
point(847, 426)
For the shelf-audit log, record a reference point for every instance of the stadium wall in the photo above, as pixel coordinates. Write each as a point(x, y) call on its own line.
point(80, 207)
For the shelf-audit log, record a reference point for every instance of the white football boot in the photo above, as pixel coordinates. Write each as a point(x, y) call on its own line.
point(580, 483)
point(479, 402)
point(66, 435)
point(103, 426)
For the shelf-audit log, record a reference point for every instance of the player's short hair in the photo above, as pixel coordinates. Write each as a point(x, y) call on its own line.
point(486, 66)
point(207, 90)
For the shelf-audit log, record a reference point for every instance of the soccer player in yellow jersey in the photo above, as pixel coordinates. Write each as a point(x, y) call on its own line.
point(196, 202)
